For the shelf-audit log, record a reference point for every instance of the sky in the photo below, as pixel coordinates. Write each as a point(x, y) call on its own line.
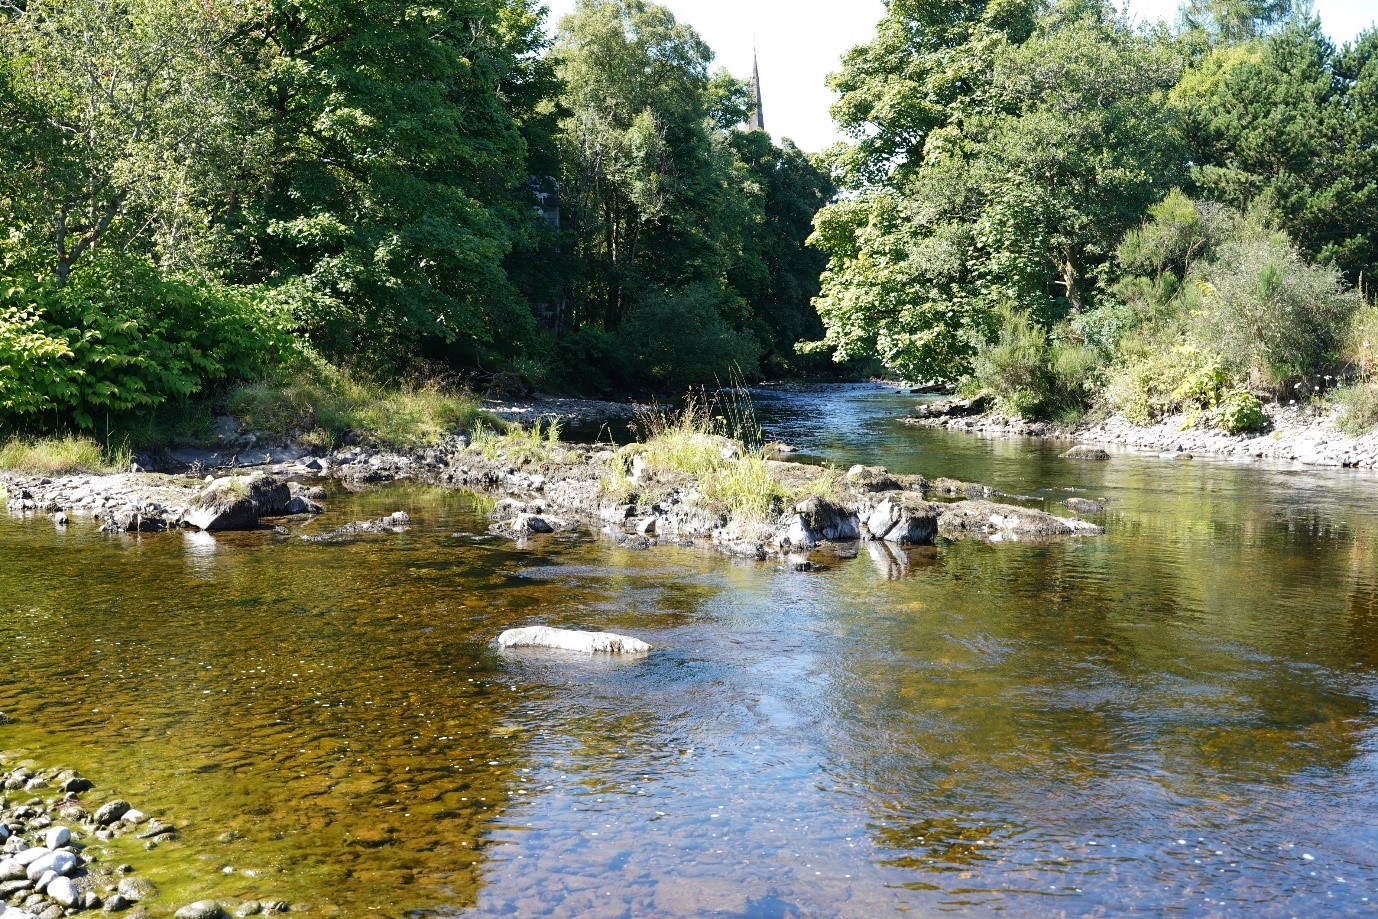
point(799, 42)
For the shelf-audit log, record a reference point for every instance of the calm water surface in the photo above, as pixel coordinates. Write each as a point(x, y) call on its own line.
point(1178, 717)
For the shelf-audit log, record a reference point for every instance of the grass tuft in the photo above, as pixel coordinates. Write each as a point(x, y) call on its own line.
point(716, 441)
point(62, 456)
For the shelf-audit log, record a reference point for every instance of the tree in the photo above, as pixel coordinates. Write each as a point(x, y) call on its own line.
point(776, 272)
point(125, 114)
point(397, 178)
point(1007, 188)
point(652, 189)
point(1230, 21)
point(1290, 122)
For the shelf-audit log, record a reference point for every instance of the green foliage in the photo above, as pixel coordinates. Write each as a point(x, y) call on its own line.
point(61, 456)
point(131, 118)
point(1361, 342)
point(1290, 122)
point(1264, 310)
point(718, 444)
point(680, 338)
point(1240, 412)
point(319, 404)
point(125, 339)
point(1018, 143)
point(1034, 375)
point(395, 182)
point(776, 273)
point(1156, 375)
point(1358, 407)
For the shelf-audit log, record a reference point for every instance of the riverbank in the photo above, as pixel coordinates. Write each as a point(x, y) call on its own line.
point(1299, 434)
point(683, 488)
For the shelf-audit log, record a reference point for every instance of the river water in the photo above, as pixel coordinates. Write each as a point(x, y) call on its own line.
point(1176, 717)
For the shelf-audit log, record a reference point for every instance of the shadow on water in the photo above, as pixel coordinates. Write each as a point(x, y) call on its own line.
point(1177, 717)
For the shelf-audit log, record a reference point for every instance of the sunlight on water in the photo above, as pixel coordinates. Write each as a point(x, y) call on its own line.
point(1176, 717)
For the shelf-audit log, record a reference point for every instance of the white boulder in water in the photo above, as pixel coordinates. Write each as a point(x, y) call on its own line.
point(542, 636)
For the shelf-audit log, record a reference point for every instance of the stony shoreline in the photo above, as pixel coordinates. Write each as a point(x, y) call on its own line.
point(543, 487)
point(1292, 434)
point(54, 857)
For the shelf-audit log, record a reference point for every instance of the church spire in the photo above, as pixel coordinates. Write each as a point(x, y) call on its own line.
point(757, 121)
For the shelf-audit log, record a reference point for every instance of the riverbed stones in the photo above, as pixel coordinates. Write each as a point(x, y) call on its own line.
point(1004, 522)
point(201, 909)
point(236, 502)
point(872, 478)
point(59, 862)
point(30, 855)
point(135, 888)
point(12, 870)
point(904, 519)
point(57, 837)
point(63, 891)
point(396, 522)
point(573, 640)
point(111, 811)
point(1086, 452)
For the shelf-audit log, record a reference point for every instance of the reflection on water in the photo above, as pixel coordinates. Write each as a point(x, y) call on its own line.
point(1178, 716)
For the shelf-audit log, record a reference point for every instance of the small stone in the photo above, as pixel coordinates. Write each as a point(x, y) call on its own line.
point(15, 912)
point(63, 891)
point(201, 909)
point(137, 888)
point(12, 870)
point(248, 908)
point(1086, 452)
point(31, 855)
point(59, 862)
point(115, 903)
point(111, 811)
point(1084, 505)
point(57, 837)
point(90, 900)
point(134, 816)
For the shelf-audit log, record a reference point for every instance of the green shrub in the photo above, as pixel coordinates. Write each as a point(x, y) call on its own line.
point(1265, 310)
point(126, 340)
point(1034, 375)
point(1361, 345)
point(591, 360)
point(1358, 407)
point(1240, 412)
point(679, 338)
point(1157, 376)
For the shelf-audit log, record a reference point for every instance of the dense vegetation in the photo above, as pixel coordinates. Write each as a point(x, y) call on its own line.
point(301, 210)
point(1068, 211)
point(298, 197)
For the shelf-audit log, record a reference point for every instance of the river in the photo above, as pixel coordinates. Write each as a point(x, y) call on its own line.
point(1176, 717)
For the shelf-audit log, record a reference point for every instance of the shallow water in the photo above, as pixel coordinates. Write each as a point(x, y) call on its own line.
point(1178, 716)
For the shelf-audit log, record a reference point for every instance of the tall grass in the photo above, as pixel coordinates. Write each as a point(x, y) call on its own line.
point(321, 404)
point(62, 456)
point(716, 439)
point(533, 444)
